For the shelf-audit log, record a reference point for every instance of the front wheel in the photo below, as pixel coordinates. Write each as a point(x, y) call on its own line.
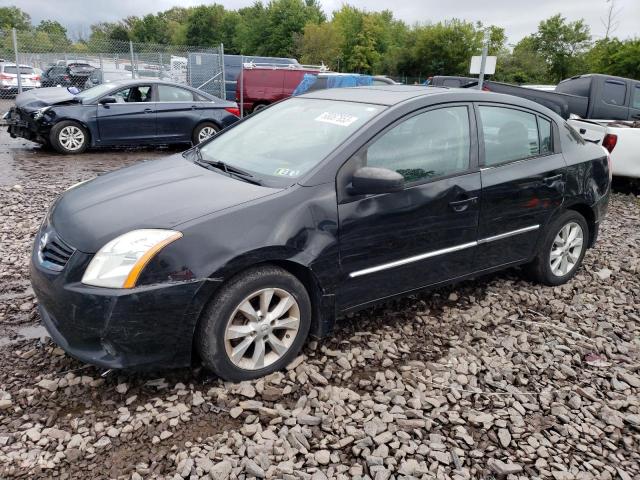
point(562, 251)
point(204, 131)
point(255, 325)
point(69, 137)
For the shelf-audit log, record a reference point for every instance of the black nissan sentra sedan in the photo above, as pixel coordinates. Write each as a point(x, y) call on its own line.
point(119, 113)
point(236, 251)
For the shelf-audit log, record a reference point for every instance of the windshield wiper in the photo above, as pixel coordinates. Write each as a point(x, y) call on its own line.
point(226, 168)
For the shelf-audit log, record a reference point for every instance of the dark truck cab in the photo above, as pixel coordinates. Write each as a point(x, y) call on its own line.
point(590, 96)
point(608, 97)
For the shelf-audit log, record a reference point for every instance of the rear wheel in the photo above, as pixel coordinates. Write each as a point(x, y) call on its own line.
point(563, 250)
point(204, 131)
point(259, 107)
point(255, 325)
point(69, 137)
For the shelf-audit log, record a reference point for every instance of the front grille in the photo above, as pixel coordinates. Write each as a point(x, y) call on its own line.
point(53, 252)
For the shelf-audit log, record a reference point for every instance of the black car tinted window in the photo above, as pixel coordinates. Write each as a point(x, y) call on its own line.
point(509, 134)
point(546, 137)
point(613, 92)
point(168, 93)
point(429, 145)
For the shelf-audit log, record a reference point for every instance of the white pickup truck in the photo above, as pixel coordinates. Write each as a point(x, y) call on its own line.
point(621, 138)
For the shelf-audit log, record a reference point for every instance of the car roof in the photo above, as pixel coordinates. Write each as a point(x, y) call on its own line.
point(390, 95)
point(381, 94)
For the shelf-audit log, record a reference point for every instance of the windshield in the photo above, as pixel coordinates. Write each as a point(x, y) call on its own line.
point(290, 138)
point(93, 93)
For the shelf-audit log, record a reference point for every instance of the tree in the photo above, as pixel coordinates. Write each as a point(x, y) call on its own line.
point(56, 33)
point(561, 44)
point(13, 17)
point(285, 20)
point(522, 65)
point(151, 29)
point(321, 43)
point(610, 22)
point(204, 25)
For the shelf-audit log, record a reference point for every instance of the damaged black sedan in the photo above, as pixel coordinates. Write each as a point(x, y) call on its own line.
point(237, 250)
point(120, 113)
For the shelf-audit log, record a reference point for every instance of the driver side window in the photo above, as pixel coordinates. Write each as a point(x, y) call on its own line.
point(135, 94)
point(428, 145)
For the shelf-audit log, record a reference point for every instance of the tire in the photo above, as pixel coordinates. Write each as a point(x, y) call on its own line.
point(541, 268)
point(223, 329)
point(259, 107)
point(69, 137)
point(205, 128)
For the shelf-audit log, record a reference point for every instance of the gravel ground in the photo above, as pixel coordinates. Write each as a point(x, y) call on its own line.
point(494, 378)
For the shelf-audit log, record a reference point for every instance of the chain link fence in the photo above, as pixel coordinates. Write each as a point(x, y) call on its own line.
point(58, 62)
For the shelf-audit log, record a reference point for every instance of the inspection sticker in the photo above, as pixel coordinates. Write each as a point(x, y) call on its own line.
point(341, 119)
point(287, 172)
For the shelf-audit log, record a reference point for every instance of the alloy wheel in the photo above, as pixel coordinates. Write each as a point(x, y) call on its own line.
point(262, 328)
point(71, 138)
point(566, 249)
point(205, 133)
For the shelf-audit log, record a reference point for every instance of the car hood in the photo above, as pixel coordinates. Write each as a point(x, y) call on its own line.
point(154, 194)
point(44, 97)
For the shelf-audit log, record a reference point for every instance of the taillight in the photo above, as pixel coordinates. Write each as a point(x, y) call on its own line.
point(35, 78)
point(5, 77)
point(66, 77)
point(609, 142)
point(233, 111)
point(485, 88)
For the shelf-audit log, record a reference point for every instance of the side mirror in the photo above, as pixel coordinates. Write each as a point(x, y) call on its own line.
point(372, 180)
point(108, 99)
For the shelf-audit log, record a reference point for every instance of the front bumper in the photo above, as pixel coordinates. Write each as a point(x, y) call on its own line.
point(147, 326)
point(22, 125)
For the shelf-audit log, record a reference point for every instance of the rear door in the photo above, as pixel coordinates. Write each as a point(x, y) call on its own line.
point(425, 234)
point(523, 182)
point(131, 120)
point(178, 111)
point(612, 100)
point(634, 105)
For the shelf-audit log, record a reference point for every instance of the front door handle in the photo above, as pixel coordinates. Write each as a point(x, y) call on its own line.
point(193, 107)
point(148, 110)
point(462, 205)
point(551, 180)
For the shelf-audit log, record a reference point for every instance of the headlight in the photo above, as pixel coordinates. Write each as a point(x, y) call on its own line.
point(40, 112)
point(119, 263)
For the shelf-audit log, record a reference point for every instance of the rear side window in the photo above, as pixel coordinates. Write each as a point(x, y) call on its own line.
point(429, 145)
point(167, 93)
point(635, 102)
point(508, 135)
point(575, 86)
point(13, 69)
point(614, 92)
point(546, 137)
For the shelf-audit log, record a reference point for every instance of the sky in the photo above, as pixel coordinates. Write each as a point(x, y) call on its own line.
point(518, 17)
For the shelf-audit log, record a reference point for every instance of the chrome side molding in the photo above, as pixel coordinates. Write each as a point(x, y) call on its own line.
point(444, 251)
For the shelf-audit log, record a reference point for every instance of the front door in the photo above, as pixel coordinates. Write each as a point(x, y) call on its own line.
point(523, 181)
point(396, 242)
point(131, 120)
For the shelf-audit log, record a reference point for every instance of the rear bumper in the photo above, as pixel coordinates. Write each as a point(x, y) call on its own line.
point(144, 327)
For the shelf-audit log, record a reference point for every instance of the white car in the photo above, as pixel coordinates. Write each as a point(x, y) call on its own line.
point(9, 78)
point(620, 138)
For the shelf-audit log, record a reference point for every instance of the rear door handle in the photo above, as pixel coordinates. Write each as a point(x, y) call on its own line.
point(193, 107)
point(462, 205)
point(552, 179)
point(148, 110)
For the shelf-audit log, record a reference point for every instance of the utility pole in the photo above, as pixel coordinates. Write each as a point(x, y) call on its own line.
point(133, 73)
point(483, 63)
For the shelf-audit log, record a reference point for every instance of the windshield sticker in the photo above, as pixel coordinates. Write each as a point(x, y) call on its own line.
point(287, 172)
point(340, 119)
